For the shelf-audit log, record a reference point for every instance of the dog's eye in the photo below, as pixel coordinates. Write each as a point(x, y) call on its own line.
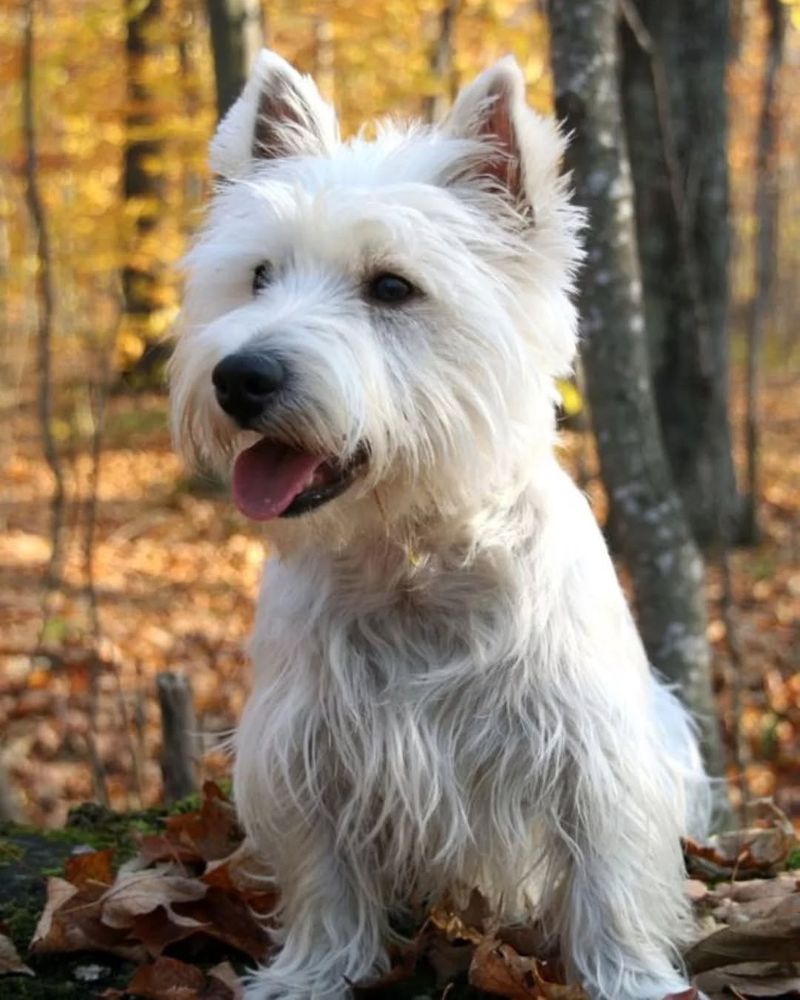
point(386, 287)
point(262, 275)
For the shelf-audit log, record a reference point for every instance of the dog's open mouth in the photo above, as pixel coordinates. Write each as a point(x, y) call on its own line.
point(271, 479)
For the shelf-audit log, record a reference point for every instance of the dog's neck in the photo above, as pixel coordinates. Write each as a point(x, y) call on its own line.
point(411, 555)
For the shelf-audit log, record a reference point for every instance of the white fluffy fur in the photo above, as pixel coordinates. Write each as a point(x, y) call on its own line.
point(450, 691)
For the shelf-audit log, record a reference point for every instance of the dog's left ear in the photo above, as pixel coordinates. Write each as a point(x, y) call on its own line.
point(279, 113)
point(492, 109)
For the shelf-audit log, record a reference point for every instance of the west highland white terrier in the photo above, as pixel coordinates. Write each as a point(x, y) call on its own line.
point(450, 691)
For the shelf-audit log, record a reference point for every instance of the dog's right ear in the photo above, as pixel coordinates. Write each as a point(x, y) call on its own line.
point(279, 113)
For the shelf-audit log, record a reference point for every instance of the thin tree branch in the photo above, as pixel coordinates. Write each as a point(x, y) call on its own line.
point(46, 297)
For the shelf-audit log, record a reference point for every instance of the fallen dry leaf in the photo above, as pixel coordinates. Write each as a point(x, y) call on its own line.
point(244, 873)
point(498, 969)
point(71, 922)
point(744, 854)
point(58, 892)
point(226, 974)
point(90, 867)
point(226, 917)
point(10, 962)
point(734, 904)
point(170, 979)
point(212, 831)
point(135, 894)
point(775, 939)
point(752, 980)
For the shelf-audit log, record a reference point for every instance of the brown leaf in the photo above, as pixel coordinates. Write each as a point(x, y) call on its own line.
point(142, 892)
point(244, 872)
point(227, 975)
point(752, 980)
point(227, 918)
point(71, 921)
point(59, 891)
point(744, 854)
point(497, 968)
point(212, 832)
point(157, 847)
point(10, 962)
point(733, 908)
point(775, 939)
point(157, 930)
point(170, 979)
point(91, 867)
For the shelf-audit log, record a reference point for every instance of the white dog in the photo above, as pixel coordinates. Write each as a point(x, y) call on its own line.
point(450, 691)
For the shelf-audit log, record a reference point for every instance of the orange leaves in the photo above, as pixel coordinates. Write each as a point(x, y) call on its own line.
point(207, 835)
point(740, 854)
point(182, 886)
point(92, 867)
point(197, 888)
point(498, 969)
point(170, 979)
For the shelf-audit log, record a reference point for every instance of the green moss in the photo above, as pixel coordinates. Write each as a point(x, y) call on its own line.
point(9, 851)
point(101, 828)
point(55, 978)
point(21, 921)
point(793, 861)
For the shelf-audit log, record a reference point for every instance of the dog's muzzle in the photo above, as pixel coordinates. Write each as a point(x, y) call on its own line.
point(246, 383)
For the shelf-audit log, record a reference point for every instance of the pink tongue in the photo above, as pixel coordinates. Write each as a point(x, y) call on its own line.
point(268, 476)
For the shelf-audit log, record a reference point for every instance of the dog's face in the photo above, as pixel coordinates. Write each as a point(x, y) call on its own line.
point(372, 328)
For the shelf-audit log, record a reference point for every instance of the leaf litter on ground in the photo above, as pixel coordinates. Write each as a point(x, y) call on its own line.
point(197, 892)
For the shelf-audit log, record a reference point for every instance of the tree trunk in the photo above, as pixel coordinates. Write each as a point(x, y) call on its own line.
point(179, 736)
point(144, 189)
point(441, 62)
point(46, 310)
point(674, 58)
point(656, 542)
point(766, 213)
point(9, 807)
point(237, 32)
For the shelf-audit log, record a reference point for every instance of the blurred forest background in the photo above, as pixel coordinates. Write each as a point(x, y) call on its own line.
point(122, 577)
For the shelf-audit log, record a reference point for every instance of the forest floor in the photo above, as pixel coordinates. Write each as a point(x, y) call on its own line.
point(175, 575)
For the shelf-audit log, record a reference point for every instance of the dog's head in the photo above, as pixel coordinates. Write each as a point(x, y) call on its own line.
point(373, 327)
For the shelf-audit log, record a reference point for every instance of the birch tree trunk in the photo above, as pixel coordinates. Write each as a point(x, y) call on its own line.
point(674, 59)
point(237, 33)
point(655, 539)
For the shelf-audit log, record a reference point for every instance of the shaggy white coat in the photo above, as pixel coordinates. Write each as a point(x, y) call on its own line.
point(450, 690)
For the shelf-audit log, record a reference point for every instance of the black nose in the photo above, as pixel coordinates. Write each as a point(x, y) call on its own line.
point(245, 383)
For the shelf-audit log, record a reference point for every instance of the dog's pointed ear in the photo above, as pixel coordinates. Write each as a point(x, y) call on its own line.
point(279, 113)
point(492, 109)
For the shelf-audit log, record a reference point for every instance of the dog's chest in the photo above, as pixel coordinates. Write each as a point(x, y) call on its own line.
point(411, 729)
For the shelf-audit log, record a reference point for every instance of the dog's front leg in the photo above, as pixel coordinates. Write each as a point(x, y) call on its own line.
point(623, 912)
point(331, 925)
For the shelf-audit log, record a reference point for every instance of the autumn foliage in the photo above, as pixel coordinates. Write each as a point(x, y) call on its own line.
point(159, 573)
point(191, 908)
